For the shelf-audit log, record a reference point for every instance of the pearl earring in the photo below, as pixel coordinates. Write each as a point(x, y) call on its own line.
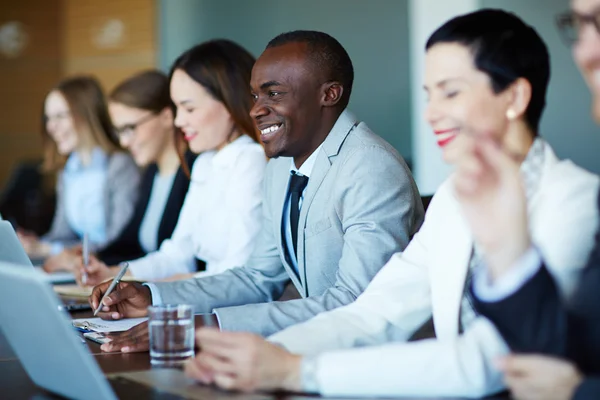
point(511, 114)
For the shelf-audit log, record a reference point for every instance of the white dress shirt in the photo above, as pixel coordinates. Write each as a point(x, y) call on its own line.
point(84, 197)
point(220, 217)
point(509, 283)
point(305, 169)
point(159, 195)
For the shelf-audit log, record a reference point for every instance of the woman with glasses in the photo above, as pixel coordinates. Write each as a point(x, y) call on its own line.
point(221, 214)
point(555, 332)
point(97, 183)
point(142, 114)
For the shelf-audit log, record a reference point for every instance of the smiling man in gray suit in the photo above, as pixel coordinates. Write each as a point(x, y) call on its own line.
point(338, 202)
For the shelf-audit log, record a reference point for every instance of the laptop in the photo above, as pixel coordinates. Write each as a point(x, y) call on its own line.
point(12, 251)
point(41, 335)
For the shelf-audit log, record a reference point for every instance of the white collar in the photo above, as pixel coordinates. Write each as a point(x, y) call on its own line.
point(307, 166)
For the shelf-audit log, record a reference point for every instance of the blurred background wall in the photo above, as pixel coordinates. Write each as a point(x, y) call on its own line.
point(42, 41)
point(115, 38)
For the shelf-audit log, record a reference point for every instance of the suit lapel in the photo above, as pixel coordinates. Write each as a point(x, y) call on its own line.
point(330, 149)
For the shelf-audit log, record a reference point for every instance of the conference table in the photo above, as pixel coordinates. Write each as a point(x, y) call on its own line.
point(16, 384)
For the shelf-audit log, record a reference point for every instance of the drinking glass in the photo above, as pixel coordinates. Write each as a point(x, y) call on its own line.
point(171, 334)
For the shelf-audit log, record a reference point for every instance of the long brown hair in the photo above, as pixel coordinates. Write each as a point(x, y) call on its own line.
point(223, 68)
point(87, 106)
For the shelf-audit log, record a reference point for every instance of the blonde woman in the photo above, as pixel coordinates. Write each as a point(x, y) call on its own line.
point(97, 183)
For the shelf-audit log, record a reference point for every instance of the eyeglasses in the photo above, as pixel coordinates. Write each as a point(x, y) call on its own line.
point(571, 24)
point(128, 130)
point(57, 117)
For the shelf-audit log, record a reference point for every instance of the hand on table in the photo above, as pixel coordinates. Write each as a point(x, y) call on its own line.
point(537, 377)
point(95, 273)
point(66, 260)
point(32, 244)
point(137, 338)
point(243, 361)
point(127, 300)
point(133, 340)
point(489, 188)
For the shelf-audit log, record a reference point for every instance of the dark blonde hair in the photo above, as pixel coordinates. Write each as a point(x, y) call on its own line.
point(148, 90)
point(87, 106)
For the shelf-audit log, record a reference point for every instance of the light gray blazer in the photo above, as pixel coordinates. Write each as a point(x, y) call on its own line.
point(361, 206)
point(120, 196)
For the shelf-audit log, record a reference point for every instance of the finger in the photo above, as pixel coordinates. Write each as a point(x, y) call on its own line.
point(97, 294)
point(217, 364)
point(127, 342)
point(226, 382)
point(196, 372)
point(109, 314)
point(123, 292)
point(220, 347)
point(126, 346)
point(215, 337)
point(520, 364)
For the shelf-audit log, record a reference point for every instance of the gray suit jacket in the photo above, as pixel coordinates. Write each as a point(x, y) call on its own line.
point(120, 195)
point(361, 206)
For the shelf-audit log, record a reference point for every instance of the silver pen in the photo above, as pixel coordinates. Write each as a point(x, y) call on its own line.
point(113, 284)
point(86, 257)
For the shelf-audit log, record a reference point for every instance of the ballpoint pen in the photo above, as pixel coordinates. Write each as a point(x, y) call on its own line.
point(113, 284)
point(86, 258)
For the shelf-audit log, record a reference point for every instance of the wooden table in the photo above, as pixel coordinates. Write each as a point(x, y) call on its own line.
point(16, 384)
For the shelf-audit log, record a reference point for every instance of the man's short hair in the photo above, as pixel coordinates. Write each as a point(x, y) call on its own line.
point(327, 54)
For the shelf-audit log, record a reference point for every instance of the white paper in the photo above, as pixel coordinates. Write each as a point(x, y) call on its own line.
point(100, 325)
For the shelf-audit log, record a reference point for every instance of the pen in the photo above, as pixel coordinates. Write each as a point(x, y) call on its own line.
point(113, 284)
point(86, 258)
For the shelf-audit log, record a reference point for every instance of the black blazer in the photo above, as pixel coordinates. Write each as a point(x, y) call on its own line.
point(536, 320)
point(127, 246)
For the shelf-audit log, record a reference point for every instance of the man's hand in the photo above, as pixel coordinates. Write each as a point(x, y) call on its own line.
point(137, 338)
point(243, 361)
point(536, 377)
point(128, 300)
point(488, 185)
point(95, 272)
point(133, 340)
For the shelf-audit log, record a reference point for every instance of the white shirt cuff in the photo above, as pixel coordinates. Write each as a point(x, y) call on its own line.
point(509, 283)
point(155, 293)
point(56, 248)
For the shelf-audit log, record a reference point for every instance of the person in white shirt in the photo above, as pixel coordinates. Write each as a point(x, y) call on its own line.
point(221, 214)
point(486, 78)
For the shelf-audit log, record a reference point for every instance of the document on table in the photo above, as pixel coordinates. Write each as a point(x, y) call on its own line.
point(102, 326)
point(73, 290)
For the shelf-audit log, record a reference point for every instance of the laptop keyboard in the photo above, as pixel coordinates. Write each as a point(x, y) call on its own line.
point(125, 389)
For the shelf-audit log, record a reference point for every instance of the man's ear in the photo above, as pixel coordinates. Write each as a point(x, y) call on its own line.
point(331, 93)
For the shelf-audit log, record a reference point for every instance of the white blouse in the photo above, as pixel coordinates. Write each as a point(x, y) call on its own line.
point(220, 217)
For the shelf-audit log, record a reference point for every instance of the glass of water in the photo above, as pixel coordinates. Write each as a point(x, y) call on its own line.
point(171, 334)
